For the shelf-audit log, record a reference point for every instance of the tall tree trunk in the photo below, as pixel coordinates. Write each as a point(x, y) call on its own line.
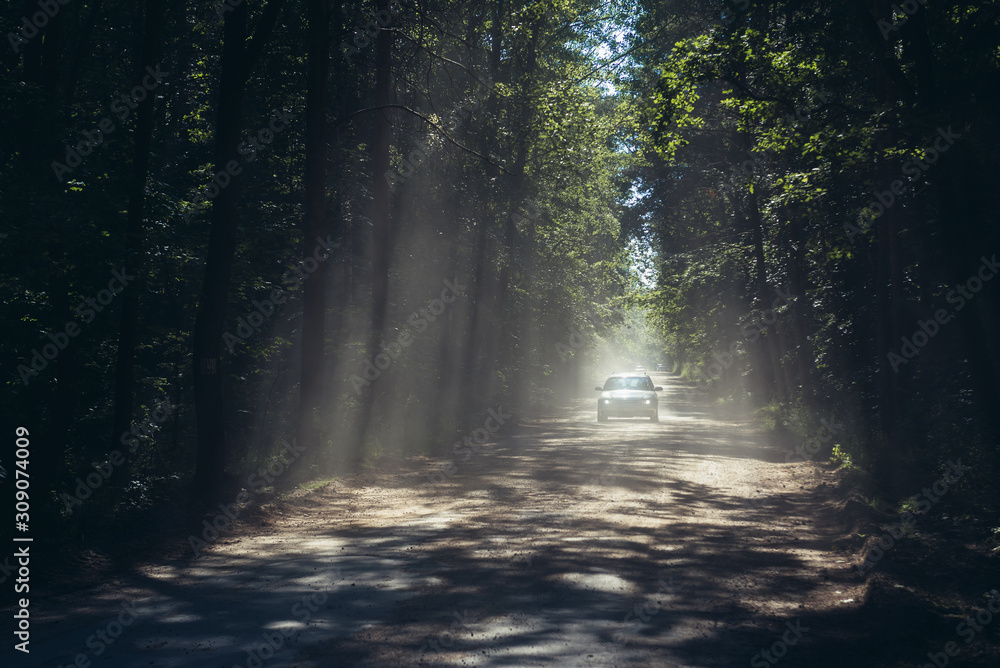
point(40, 59)
point(475, 339)
point(314, 290)
point(210, 319)
point(237, 63)
point(381, 242)
point(956, 172)
point(888, 288)
point(803, 350)
point(962, 258)
point(83, 31)
point(484, 285)
point(510, 231)
point(763, 293)
point(135, 265)
point(54, 437)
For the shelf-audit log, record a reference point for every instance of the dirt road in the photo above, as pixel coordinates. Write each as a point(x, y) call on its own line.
point(562, 542)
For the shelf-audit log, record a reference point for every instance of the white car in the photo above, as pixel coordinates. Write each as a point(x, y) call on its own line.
point(628, 395)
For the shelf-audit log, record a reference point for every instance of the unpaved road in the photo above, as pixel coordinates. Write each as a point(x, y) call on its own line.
point(563, 542)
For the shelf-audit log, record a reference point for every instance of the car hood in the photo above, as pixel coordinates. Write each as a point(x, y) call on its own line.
point(628, 394)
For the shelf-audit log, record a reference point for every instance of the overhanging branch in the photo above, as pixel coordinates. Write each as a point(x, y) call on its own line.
point(429, 122)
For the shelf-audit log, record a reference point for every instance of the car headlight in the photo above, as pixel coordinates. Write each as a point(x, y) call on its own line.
point(648, 402)
point(607, 401)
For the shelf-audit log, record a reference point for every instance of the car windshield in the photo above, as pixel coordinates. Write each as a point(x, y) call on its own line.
point(630, 383)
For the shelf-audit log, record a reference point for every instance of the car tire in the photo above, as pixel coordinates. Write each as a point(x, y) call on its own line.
point(601, 416)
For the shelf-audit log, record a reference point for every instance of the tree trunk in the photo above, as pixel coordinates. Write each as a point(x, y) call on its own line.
point(237, 63)
point(314, 290)
point(771, 332)
point(511, 235)
point(210, 319)
point(803, 350)
point(484, 284)
point(962, 258)
point(57, 430)
point(888, 290)
point(956, 172)
point(135, 265)
point(381, 241)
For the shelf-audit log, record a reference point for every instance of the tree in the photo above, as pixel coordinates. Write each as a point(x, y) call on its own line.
point(314, 223)
point(238, 58)
point(147, 59)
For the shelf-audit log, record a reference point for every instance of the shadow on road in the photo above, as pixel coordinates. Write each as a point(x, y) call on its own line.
point(566, 542)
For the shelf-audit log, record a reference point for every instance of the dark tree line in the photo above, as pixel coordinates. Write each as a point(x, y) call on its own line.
point(363, 227)
point(840, 153)
point(299, 191)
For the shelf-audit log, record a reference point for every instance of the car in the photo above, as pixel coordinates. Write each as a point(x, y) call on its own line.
point(628, 395)
point(640, 369)
point(661, 367)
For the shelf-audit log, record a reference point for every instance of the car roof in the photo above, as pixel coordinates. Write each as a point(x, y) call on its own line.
point(632, 374)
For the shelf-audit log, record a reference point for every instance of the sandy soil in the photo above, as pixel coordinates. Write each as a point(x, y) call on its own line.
point(561, 542)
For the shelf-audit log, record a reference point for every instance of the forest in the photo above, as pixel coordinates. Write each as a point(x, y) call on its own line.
point(253, 247)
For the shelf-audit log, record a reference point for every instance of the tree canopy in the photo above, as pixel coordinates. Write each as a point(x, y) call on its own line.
point(231, 226)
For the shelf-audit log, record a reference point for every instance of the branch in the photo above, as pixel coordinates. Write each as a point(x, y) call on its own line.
point(429, 122)
point(623, 55)
point(440, 57)
point(432, 21)
point(882, 52)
